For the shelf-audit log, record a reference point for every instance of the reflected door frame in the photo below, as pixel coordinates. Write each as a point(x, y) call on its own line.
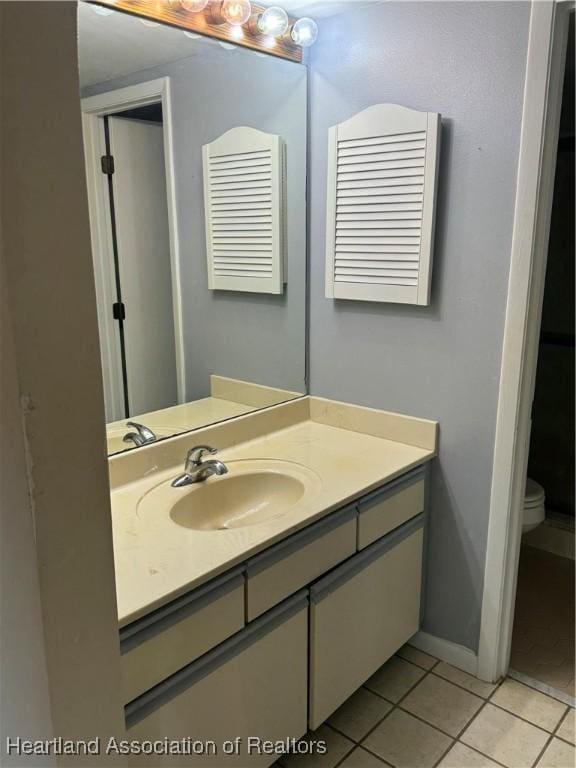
point(94, 109)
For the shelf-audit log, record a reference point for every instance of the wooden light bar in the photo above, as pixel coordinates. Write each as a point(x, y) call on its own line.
point(204, 22)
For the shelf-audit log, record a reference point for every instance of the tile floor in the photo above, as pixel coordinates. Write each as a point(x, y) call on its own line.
point(543, 636)
point(418, 712)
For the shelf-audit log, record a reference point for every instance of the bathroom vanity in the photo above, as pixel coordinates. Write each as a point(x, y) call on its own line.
point(254, 603)
point(258, 615)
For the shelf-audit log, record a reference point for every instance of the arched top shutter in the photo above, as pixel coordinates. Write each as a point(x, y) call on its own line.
point(244, 208)
point(382, 172)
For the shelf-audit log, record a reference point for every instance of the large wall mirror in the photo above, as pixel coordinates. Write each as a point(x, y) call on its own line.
point(196, 169)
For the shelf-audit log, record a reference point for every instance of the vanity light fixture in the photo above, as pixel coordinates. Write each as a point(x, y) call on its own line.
point(250, 25)
point(273, 22)
point(236, 12)
point(304, 32)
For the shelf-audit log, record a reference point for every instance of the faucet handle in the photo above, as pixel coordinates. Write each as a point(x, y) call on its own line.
point(195, 454)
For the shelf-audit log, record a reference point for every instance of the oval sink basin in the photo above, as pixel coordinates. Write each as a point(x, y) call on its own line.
point(254, 491)
point(234, 501)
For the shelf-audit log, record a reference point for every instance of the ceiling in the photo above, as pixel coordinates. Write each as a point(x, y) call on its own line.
point(118, 44)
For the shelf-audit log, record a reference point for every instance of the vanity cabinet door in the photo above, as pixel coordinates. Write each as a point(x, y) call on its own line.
point(295, 562)
point(360, 614)
point(253, 685)
point(384, 510)
point(164, 641)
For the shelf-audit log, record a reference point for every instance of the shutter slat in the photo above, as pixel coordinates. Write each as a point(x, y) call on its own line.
point(382, 165)
point(373, 280)
point(368, 174)
point(233, 157)
point(377, 183)
point(383, 147)
point(381, 192)
point(388, 139)
point(359, 220)
point(413, 250)
point(385, 207)
point(392, 240)
point(372, 270)
point(411, 264)
point(375, 157)
point(396, 197)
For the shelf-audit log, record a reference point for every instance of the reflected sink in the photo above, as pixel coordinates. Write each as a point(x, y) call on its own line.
point(254, 491)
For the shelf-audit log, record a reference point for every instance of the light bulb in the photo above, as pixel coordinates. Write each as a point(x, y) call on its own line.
point(148, 23)
point(236, 12)
point(194, 6)
point(305, 32)
point(192, 35)
point(273, 22)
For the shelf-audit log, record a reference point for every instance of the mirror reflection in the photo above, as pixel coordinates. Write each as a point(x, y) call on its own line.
point(196, 170)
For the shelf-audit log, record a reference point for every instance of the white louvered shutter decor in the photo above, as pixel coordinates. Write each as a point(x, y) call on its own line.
point(244, 208)
point(382, 170)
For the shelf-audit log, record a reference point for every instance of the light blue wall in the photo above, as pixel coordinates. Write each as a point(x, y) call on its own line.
point(465, 60)
point(257, 337)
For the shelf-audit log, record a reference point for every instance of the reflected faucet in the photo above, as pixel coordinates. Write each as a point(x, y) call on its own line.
point(142, 436)
point(196, 470)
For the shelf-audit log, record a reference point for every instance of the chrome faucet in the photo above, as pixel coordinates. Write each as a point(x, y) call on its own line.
point(142, 436)
point(196, 470)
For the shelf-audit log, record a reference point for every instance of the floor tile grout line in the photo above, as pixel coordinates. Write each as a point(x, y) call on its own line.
point(360, 744)
point(544, 748)
point(454, 739)
point(524, 720)
point(570, 743)
point(415, 663)
point(479, 752)
point(462, 687)
point(394, 707)
point(357, 746)
point(555, 732)
point(430, 725)
point(346, 755)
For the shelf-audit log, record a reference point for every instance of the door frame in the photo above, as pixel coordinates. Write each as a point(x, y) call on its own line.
point(94, 108)
point(545, 64)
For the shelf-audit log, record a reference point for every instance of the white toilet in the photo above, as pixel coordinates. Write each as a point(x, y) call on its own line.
point(534, 509)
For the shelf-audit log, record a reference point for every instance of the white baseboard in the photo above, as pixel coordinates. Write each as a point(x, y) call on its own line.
point(451, 653)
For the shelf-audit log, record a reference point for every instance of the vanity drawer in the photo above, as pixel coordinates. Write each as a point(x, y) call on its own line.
point(295, 562)
point(253, 685)
point(360, 614)
point(386, 509)
point(158, 645)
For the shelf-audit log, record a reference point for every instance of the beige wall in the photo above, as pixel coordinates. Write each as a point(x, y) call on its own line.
point(24, 700)
point(51, 296)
